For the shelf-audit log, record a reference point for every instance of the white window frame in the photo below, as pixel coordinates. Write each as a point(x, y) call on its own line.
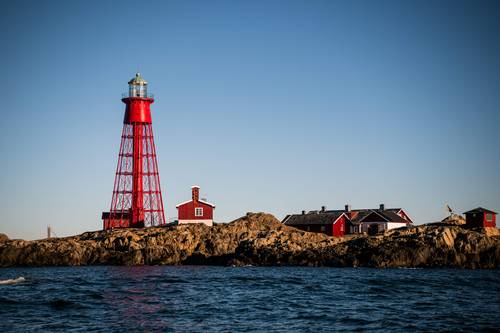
point(198, 211)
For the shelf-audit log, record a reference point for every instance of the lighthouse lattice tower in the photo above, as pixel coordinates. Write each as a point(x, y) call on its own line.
point(136, 199)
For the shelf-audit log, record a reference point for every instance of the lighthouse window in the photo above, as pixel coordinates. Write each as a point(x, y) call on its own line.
point(198, 211)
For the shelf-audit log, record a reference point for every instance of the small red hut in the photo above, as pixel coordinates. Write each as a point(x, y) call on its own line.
point(480, 218)
point(196, 210)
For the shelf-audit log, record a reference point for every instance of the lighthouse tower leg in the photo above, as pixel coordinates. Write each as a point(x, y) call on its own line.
point(137, 175)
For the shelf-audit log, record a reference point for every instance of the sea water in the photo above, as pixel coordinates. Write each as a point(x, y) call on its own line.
point(248, 299)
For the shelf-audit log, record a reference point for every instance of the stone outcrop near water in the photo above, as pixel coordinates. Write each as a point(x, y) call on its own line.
point(3, 238)
point(260, 239)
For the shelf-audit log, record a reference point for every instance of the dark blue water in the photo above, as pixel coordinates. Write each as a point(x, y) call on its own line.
point(249, 299)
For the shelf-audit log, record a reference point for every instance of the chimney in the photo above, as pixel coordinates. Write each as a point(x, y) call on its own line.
point(195, 190)
point(303, 212)
point(323, 208)
point(382, 207)
point(347, 208)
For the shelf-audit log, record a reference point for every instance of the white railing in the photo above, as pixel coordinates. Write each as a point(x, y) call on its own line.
point(142, 95)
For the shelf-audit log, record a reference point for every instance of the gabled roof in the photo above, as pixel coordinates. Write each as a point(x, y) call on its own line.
point(480, 210)
point(357, 214)
point(354, 216)
point(200, 201)
point(313, 218)
point(393, 217)
point(386, 215)
point(395, 210)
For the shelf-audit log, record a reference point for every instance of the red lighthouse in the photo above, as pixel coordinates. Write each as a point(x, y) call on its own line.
point(136, 199)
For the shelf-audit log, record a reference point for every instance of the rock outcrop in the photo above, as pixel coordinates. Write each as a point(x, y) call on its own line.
point(259, 239)
point(454, 219)
point(3, 238)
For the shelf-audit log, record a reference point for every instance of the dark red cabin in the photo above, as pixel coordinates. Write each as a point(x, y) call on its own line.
point(326, 222)
point(480, 218)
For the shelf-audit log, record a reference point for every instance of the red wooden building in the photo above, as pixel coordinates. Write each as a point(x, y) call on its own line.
point(480, 218)
point(196, 210)
point(332, 223)
point(349, 221)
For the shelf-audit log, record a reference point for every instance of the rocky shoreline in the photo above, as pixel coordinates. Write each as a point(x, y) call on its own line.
point(260, 239)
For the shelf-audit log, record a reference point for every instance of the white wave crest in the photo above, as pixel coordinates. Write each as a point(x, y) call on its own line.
point(12, 281)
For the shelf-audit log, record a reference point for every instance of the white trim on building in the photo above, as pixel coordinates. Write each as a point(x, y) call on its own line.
point(198, 211)
point(206, 221)
point(199, 201)
point(394, 225)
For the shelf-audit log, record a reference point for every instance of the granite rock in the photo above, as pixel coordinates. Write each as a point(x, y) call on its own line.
point(259, 239)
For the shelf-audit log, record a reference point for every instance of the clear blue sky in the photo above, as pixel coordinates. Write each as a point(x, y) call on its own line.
point(273, 106)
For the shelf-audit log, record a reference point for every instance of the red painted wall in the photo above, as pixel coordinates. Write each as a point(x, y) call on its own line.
point(491, 224)
point(339, 227)
point(186, 211)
